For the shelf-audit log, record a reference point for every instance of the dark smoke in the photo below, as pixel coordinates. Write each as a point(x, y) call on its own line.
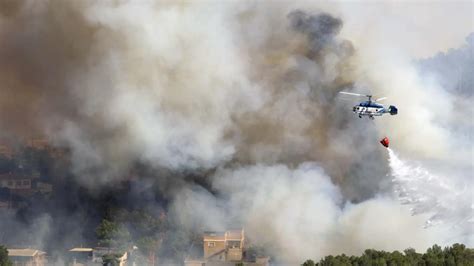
point(321, 29)
point(62, 74)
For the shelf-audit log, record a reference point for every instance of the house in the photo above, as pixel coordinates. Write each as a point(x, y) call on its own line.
point(80, 256)
point(24, 185)
point(93, 256)
point(224, 248)
point(27, 257)
point(16, 182)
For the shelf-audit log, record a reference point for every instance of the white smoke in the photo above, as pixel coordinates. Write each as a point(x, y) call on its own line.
point(281, 207)
point(248, 88)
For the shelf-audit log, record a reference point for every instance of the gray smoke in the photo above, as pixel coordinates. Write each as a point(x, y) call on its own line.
point(241, 95)
point(321, 29)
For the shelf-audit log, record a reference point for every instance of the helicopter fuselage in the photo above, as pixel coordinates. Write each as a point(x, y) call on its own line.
point(371, 109)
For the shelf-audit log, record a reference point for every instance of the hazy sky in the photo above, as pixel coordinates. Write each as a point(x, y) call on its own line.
point(420, 28)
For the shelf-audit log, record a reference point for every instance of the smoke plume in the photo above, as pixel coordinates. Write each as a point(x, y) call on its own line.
point(233, 110)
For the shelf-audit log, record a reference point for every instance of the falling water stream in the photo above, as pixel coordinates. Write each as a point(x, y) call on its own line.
point(445, 199)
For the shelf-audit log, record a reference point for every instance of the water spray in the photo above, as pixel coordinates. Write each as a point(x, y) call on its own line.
point(428, 193)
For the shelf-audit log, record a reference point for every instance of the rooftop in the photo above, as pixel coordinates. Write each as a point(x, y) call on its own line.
point(214, 236)
point(24, 252)
point(237, 234)
point(8, 176)
point(81, 250)
point(234, 234)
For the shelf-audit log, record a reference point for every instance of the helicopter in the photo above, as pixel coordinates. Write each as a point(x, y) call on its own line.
point(370, 107)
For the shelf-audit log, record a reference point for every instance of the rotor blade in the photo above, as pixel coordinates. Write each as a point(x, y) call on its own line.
point(350, 93)
point(381, 99)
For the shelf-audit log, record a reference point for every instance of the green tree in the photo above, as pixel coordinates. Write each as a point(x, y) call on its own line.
point(413, 258)
point(339, 260)
point(4, 260)
point(113, 235)
point(149, 246)
point(434, 256)
point(308, 263)
point(149, 232)
point(396, 258)
point(343, 260)
point(111, 259)
point(457, 254)
point(146, 230)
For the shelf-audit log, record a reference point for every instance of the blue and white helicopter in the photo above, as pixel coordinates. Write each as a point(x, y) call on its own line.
point(371, 108)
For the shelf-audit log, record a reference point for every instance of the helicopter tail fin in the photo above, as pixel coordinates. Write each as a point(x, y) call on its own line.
point(392, 110)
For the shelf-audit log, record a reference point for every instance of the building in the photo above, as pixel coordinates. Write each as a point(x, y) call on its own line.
point(225, 246)
point(40, 143)
point(80, 256)
point(24, 185)
point(17, 185)
point(27, 257)
point(222, 249)
point(37, 143)
point(16, 182)
point(93, 256)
